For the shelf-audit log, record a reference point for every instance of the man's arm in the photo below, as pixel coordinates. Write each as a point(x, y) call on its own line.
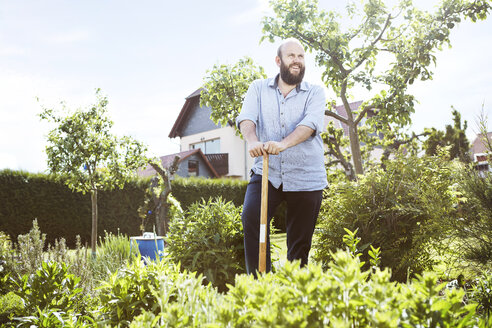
point(255, 147)
point(300, 134)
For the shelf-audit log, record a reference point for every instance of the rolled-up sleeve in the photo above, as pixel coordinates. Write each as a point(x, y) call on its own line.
point(315, 110)
point(250, 108)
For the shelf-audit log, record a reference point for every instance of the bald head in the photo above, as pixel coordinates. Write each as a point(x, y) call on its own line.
point(289, 41)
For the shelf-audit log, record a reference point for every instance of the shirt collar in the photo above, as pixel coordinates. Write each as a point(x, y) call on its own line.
point(301, 86)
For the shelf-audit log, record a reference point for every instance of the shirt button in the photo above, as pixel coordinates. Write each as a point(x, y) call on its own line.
point(283, 125)
point(283, 102)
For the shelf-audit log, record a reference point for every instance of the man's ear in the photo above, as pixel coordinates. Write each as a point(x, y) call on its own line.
point(277, 60)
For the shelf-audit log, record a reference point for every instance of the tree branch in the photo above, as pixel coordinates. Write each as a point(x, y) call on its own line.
point(373, 43)
point(361, 115)
point(336, 116)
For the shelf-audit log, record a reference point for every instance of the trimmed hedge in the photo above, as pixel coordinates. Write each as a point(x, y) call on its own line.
point(62, 213)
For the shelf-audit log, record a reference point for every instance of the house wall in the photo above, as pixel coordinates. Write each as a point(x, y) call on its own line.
point(203, 170)
point(229, 143)
point(198, 120)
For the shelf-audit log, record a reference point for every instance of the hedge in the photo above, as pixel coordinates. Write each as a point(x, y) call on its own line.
point(60, 212)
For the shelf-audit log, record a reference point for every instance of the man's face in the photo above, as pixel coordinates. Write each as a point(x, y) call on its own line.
point(292, 63)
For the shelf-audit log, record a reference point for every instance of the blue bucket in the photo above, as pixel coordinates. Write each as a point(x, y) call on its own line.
point(149, 247)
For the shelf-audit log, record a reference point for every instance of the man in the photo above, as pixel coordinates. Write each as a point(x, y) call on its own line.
point(283, 116)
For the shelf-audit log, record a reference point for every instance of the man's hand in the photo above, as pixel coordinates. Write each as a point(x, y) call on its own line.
point(274, 147)
point(255, 149)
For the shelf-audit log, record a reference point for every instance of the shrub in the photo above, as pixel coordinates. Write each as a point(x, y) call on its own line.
point(400, 210)
point(481, 293)
point(209, 240)
point(112, 253)
point(10, 305)
point(343, 296)
point(49, 295)
point(159, 291)
point(473, 230)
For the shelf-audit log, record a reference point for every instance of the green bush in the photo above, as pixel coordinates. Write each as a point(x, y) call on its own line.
point(342, 296)
point(473, 229)
point(158, 290)
point(113, 252)
point(49, 294)
point(209, 240)
point(10, 306)
point(61, 212)
point(481, 293)
point(401, 210)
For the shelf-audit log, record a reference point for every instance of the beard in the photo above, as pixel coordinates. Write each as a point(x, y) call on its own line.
point(288, 77)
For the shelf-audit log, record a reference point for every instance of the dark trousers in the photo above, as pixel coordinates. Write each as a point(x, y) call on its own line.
point(302, 213)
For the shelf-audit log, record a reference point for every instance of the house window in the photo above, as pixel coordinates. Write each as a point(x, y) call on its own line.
point(208, 146)
point(192, 168)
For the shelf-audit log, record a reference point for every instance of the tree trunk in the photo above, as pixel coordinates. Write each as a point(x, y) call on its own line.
point(355, 149)
point(353, 135)
point(94, 222)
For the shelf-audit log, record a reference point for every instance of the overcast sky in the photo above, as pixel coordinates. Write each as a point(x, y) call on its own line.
point(147, 56)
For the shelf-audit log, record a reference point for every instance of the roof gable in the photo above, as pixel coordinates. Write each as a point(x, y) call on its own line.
point(192, 118)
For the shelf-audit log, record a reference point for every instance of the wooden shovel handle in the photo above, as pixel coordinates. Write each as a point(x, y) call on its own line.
point(263, 216)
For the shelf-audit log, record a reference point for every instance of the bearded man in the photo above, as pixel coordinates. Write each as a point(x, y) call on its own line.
point(283, 116)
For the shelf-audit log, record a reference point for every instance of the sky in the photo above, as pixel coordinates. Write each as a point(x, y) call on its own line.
point(148, 56)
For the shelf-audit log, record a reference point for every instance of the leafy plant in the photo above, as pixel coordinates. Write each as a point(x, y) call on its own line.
point(482, 294)
point(209, 240)
point(129, 292)
point(10, 305)
point(113, 253)
point(401, 210)
point(30, 250)
point(50, 287)
point(473, 228)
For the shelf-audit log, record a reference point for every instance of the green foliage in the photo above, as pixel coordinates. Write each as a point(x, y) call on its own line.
point(83, 148)
point(183, 302)
point(472, 231)
point(454, 137)
point(129, 292)
point(343, 296)
point(157, 292)
point(224, 89)
point(10, 306)
point(30, 250)
point(51, 286)
point(350, 47)
point(400, 210)
point(209, 240)
point(482, 293)
point(61, 212)
point(113, 252)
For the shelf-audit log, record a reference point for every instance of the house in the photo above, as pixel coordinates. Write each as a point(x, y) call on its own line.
point(221, 148)
point(191, 163)
point(226, 151)
point(481, 154)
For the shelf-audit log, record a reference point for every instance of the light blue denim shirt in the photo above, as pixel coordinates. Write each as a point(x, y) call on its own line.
point(299, 168)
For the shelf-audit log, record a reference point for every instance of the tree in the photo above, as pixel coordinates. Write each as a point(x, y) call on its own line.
point(161, 189)
point(83, 148)
point(407, 36)
point(453, 137)
point(225, 86)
